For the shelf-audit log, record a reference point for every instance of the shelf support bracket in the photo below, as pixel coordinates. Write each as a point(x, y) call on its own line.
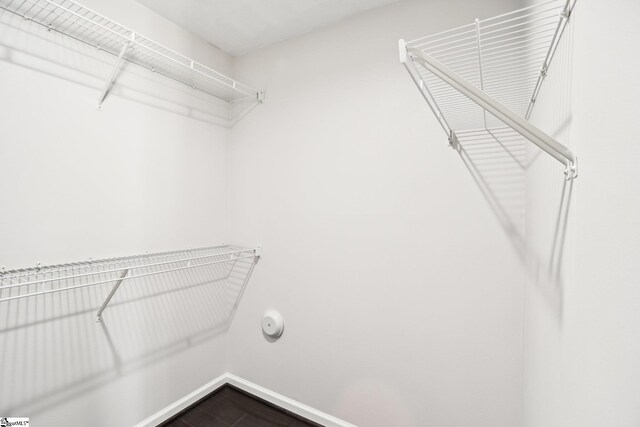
point(453, 141)
point(571, 170)
point(112, 77)
point(113, 291)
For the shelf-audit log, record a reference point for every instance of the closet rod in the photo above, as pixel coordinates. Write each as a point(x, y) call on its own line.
point(520, 125)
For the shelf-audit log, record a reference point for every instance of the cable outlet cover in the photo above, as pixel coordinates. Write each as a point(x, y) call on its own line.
point(272, 323)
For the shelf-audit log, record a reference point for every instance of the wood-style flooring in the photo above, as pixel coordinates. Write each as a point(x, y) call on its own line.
point(230, 407)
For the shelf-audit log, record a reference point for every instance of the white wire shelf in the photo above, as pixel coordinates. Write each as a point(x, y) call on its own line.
point(83, 24)
point(488, 74)
point(43, 280)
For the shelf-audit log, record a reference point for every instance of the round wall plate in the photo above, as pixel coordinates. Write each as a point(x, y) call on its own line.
point(272, 323)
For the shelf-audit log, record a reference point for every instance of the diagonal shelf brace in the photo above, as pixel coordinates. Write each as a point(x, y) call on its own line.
point(517, 123)
point(557, 35)
point(112, 77)
point(113, 291)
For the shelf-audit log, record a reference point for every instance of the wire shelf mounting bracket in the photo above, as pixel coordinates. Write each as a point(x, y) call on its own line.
point(453, 141)
point(112, 77)
point(481, 72)
point(113, 291)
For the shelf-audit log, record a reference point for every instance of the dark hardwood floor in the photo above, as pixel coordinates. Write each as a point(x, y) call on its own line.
point(230, 407)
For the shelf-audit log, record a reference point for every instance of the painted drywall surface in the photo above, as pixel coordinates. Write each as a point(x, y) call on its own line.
point(139, 18)
point(134, 171)
point(549, 226)
point(401, 293)
point(582, 324)
point(244, 26)
point(147, 173)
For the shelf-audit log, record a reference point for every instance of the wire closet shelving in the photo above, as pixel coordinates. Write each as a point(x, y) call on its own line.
point(484, 78)
point(81, 23)
point(43, 280)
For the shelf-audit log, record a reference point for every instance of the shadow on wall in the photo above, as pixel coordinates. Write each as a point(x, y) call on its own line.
point(521, 184)
point(52, 348)
point(498, 162)
point(30, 46)
point(495, 159)
point(550, 198)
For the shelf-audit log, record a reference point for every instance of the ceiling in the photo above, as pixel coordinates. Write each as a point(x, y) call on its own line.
point(240, 26)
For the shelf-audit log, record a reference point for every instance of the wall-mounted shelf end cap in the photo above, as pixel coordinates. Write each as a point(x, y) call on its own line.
point(571, 171)
point(453, 141)
point(402, 49)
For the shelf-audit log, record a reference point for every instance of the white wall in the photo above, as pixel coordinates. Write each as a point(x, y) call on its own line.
point(142, 170)
point(583, 300)
point(148, 173)
point(550, 222)
point(401, 293)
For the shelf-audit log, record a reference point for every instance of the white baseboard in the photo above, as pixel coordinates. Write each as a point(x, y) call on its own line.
point(165, 413)
point(254, 389)
point(286, 403)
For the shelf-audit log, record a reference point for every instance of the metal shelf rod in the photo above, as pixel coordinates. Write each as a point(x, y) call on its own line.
point(533, 134)
point(477, 75)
